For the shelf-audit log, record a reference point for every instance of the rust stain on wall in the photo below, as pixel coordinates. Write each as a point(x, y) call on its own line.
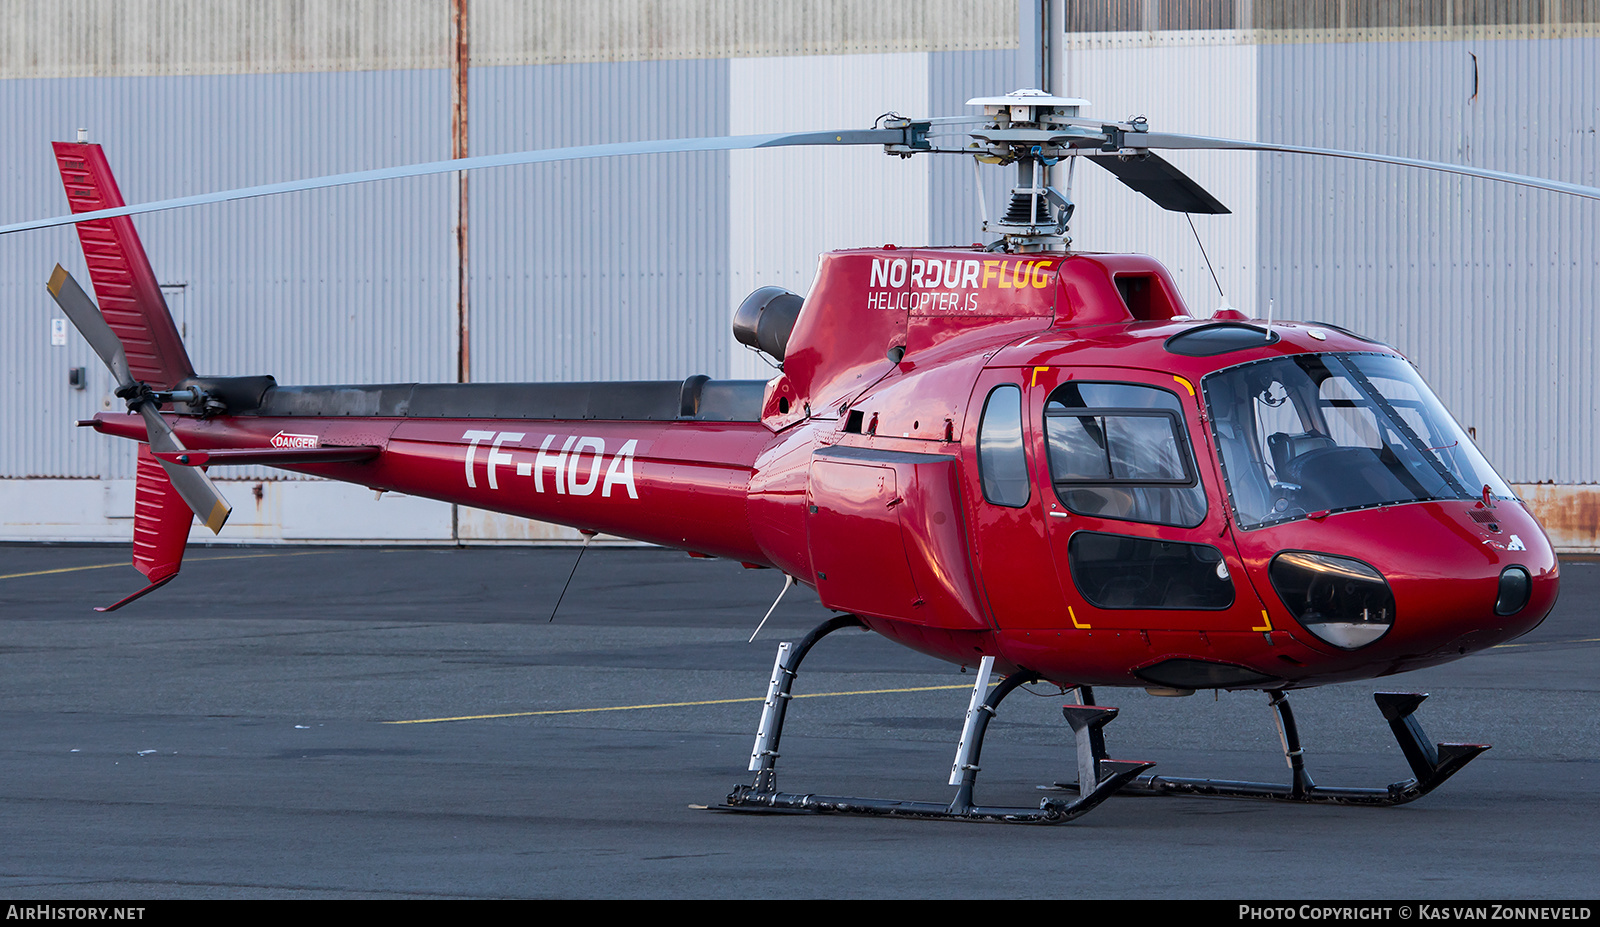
point(1570, 513)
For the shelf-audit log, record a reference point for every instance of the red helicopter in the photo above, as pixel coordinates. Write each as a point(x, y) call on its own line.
point(1020, 457)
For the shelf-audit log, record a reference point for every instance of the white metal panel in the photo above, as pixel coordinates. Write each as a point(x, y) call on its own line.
point(954, 78)
point(149, 38)
point(1195, 89)
point(572, 31)
point(786, 207)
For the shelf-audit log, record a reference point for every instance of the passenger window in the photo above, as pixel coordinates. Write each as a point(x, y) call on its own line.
point(1117, 450)
point(1113, 571)
point(1002, 464)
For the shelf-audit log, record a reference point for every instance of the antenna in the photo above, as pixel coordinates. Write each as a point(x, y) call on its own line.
point(1208, 264)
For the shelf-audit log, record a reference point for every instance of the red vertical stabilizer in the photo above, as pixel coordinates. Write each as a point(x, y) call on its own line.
point(124, 284)
point(161, 522)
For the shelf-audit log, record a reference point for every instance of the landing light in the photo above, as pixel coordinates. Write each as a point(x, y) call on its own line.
point(1343, 602)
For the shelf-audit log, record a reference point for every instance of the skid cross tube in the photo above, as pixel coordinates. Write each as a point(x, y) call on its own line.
point(763, 795)
point(1431, 763)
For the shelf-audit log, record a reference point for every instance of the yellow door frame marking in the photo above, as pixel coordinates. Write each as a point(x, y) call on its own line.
point(1074, 616)
point(1266, 623)
point(716, 701)
point(1186, 384)
point(1036, 372)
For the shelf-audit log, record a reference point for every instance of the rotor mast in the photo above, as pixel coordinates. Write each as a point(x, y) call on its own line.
point(1026, 128)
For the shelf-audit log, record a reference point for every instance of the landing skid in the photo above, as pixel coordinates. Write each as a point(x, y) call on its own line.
point(1431, 763)
point(762, 796)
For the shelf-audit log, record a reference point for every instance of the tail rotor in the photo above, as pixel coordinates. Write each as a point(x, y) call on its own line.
point(196, 489)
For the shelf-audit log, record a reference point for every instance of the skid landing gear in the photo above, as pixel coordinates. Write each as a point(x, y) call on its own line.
point(1086, 722)
point(1431, 763)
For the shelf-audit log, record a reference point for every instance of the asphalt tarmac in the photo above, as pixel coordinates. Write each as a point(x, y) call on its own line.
point(232, 736)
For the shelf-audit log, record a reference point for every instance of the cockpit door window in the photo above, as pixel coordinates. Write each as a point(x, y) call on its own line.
point(1128, 483)
point(1117, 450)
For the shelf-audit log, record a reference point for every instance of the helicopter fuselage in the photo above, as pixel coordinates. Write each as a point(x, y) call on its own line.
point(1037, 457)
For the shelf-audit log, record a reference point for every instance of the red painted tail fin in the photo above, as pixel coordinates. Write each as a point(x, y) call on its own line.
point(160, 527)
point(161, 521)
point(125, 285)
point(131, 301)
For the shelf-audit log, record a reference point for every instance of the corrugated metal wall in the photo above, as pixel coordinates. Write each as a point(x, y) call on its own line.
point(1179, 88)
point(144, 38)
point(1490, 289)
point(599, 270)
point(340, 285)
point(631, 269)
point(623, 269)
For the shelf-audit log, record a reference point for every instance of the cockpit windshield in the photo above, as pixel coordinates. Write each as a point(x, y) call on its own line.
point(1334, 432)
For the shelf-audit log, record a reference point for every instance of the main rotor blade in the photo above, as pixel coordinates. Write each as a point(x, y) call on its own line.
point(86, 316)
point(1170, 141)
point(619, 149)
point(1159, 180)
point(197, 490)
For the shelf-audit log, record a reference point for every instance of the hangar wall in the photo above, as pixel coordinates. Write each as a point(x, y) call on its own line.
point(630, 269)
point(626, 269)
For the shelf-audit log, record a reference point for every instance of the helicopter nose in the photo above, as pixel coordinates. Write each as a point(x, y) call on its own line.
point(1521, 599)
point(1413, 585)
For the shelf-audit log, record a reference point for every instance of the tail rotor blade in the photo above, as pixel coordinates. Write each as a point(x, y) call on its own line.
point(195, 487)
point(192, 485)
point(86, 316)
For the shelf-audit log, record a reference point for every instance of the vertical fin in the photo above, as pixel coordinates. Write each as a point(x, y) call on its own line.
point(126, 287)
point(161, 521)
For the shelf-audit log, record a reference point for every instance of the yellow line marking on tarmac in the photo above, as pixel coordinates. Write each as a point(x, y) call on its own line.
point(129, 563)
point(717, 701)
point(1581, 640)
point(731, 701)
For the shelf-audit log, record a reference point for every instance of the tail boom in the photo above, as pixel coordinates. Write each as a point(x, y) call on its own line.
point(678, 484)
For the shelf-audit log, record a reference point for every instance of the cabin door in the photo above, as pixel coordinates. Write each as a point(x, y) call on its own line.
point(1132, 504)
